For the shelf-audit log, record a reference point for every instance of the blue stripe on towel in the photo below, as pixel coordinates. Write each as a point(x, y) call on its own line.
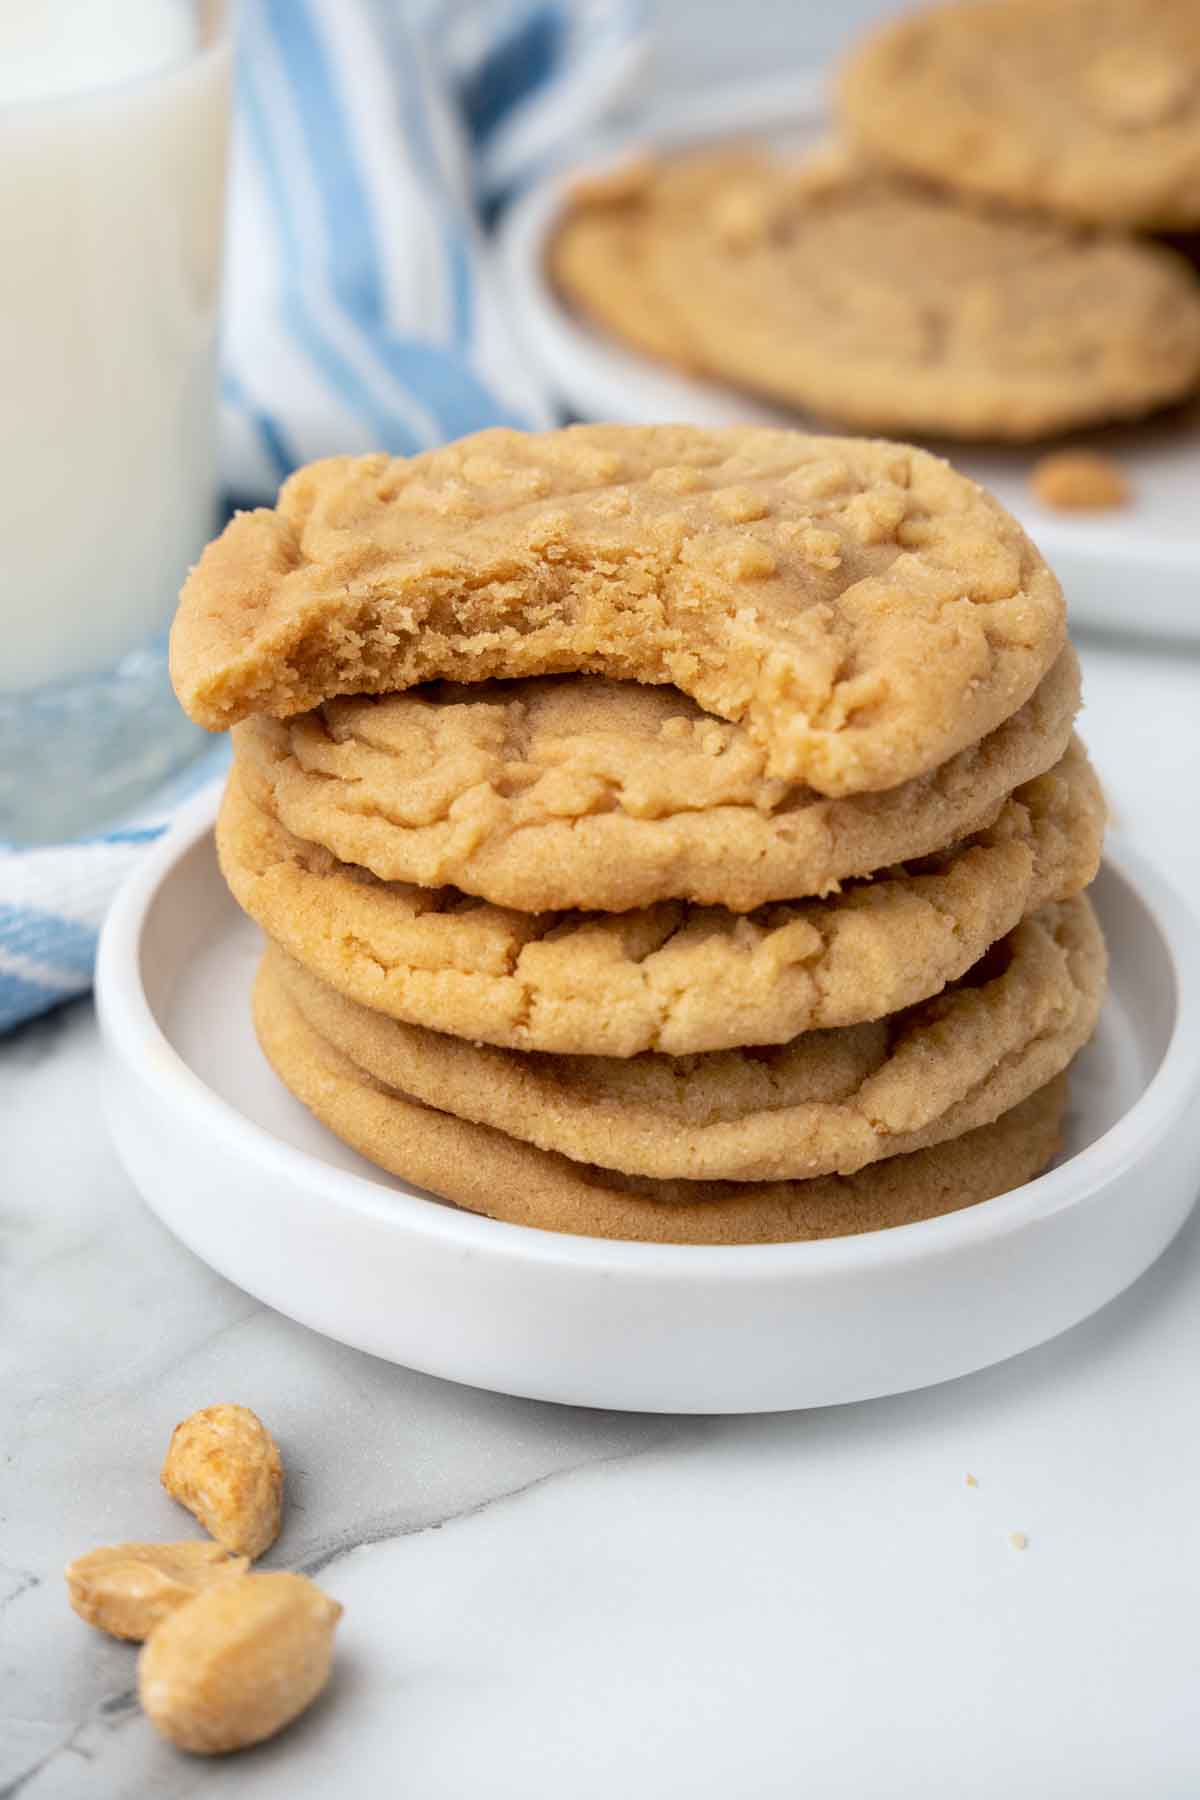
point(520, 63)
point(45, 937)
point(440, 378)
point(354, 273)
point(21, 999)
point(390, 433)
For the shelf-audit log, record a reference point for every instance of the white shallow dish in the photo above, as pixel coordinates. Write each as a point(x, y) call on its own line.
point(1134, 570)
point(250, 1182)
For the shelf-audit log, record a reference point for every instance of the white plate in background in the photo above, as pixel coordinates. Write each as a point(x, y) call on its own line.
point(1136, 569)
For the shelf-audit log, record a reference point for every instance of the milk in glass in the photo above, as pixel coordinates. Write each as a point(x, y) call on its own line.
point(112, 133)
point(113, 120)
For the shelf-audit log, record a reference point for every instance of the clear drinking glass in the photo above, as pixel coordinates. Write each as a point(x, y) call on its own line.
point(113, 133)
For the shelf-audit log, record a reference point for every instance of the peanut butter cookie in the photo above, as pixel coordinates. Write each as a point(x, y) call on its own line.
point(670, 977)
point(884, 303)
point(571, 791)
point(487, 1172)
point(828, 1102)
point(1090, 108)
point(863, 609)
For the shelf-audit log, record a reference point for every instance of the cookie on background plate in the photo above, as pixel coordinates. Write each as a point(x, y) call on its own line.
point(881, 302)
point(863, 609)
point(488, 1172)
point(828, 1102)
point(669, 977)
point(1089, 108)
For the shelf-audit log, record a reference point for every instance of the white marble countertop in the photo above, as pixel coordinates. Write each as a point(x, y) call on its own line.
point(542, 1602)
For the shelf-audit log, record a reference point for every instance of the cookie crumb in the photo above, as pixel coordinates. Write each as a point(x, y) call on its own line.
point(1018, 1541)
point(1079, 481)
point(969, 1480)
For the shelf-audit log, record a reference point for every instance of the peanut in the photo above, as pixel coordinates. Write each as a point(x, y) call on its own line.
point(238, 1663)
point(224, 1466)
point(128, 1589)
point(1079, 480)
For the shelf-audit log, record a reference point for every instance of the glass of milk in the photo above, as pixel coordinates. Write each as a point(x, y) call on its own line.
point(113, 127)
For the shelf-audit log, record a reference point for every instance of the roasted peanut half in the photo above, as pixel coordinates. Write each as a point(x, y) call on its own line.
point(224, 1466)
point(128, 1589)
point(238, 1663)
point(1079, 481)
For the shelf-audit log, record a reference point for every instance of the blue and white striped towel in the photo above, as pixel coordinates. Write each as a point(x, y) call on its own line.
point(368, 137)
point(53, 898)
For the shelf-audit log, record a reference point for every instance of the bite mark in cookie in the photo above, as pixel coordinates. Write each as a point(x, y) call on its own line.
point(609, 549)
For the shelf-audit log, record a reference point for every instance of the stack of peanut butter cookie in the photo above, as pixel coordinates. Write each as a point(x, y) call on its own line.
point(658, 833)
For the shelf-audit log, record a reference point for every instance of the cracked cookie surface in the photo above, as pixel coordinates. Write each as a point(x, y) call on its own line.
point(1087, 107)
point(485, 1171)
point(571, 791)
point(670, 977)
point(863, 609)
point(861, 296)
point(828, 1102)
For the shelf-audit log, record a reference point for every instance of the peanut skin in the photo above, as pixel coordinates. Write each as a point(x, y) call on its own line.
point(224, 1466)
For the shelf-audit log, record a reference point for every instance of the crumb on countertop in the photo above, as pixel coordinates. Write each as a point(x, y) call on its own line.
point(969, 1480)
point(1079, 481)
point(1018, 1540)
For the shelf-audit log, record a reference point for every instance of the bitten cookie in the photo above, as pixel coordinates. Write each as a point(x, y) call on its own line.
point(864, 610)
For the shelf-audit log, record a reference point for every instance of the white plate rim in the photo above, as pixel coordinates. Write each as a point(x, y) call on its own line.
point(135, 1037)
